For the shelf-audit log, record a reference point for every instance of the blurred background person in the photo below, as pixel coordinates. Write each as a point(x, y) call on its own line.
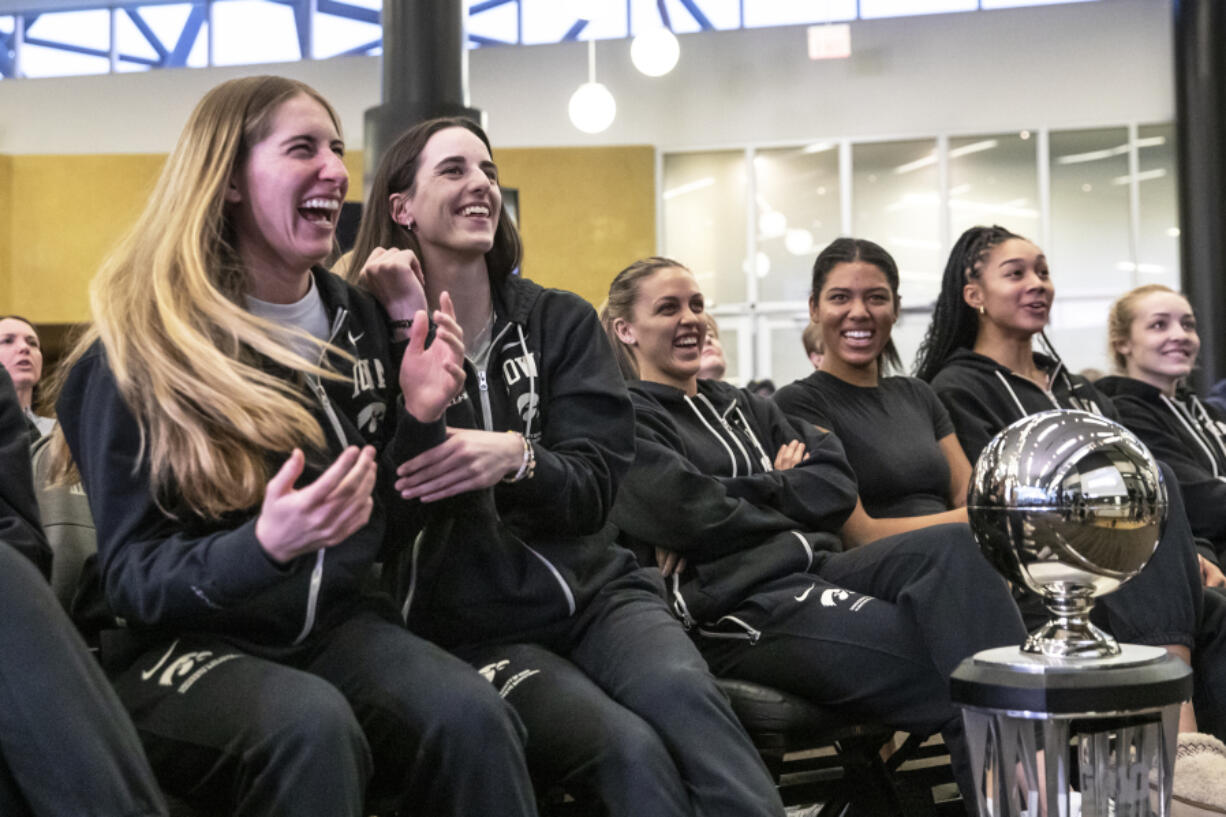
point(22, 355)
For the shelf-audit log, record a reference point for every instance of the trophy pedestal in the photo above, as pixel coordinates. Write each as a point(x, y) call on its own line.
point(1120, 715)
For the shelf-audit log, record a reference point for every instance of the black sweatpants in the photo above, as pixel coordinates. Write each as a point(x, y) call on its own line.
point(67, 747)
point(619, 705)
point(876, 631)
point(367, 710)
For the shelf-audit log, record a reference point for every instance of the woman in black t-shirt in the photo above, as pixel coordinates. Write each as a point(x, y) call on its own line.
point(898, 438)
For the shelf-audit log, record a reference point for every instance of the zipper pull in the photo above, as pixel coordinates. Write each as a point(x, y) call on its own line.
point(482, 384)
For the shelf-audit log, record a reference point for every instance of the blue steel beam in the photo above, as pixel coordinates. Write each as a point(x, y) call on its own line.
point(73, 48)
point(362, 15)
point(574, 32)
point(696, 13)
point(187, 37)
point(137, 20)
point(303, 24)
point(477, 8)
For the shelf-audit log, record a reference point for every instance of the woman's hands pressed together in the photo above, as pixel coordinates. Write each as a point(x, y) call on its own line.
point(294, 521)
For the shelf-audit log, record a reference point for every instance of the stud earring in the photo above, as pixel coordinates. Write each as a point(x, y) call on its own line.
point(411, 225)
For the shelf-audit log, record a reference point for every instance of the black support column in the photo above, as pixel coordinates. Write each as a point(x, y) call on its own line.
point(1200, 106)
point(425, 71)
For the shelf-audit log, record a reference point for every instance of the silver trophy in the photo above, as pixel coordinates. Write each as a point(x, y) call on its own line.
point(1071, 505)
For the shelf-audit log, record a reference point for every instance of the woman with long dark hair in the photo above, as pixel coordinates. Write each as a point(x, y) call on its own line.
point(234, 411)
point(740, 508)
point(979, 356)
point(513, 566)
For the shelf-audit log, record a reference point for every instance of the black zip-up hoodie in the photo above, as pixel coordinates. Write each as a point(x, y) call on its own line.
point(508, 561)
point(20, 527)
point(983, 397)
point(1188, 436)
point(165, 575)
point(704, 485)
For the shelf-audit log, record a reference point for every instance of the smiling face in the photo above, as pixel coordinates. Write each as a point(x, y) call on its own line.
point(666, 330)
point(286, 198)
point(855, 310)
point(454, 204)
point(1162, 343)
point(21, 353)
point(1013, 288)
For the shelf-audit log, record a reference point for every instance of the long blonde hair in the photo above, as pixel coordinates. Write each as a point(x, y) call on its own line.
point(168, 308)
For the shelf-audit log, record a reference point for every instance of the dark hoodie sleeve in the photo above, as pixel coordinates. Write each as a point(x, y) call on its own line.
point(19, 521)
point(154, 571)
point(587, 441)
point(1204, 494)
point(975, 420)
point(666, 502)
point(820, 493)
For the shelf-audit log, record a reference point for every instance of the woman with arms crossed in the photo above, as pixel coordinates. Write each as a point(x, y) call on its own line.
point(897, 437)
point(230, 412)
point(740, 505)
point(514, 568)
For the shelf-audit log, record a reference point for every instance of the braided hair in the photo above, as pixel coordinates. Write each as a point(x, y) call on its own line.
point(954, 323)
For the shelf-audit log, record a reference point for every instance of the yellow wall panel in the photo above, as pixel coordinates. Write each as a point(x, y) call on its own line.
point(66, 213)
point(585, 213)
point(6, 233)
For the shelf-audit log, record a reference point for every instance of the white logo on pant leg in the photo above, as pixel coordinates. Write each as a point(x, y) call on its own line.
point(833, 596)
point(515, 680)
point(805, 594)
point(490, 670)
point(189, 665)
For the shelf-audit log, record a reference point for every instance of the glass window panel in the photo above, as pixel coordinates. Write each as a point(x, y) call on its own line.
point(723, 15)
point(1004, 4)
point(1090, 250)
point(797, 12)
point(704, 219)
point(788, 361)
point(89, 29)
point(896, 202)
point(547, 21)
point(908, 333)
point(798, 212)
point(1078, 330)
point(498, 23)
point(905, 8)
point(338, 35)
point(1158, 239)
point(6, 24)
point(253, 31)
point(39, 61)
point(130, 42)
point(377, 5)
point(994, 179)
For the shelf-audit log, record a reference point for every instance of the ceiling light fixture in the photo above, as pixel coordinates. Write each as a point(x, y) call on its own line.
point(655, 51)
point(592, 107)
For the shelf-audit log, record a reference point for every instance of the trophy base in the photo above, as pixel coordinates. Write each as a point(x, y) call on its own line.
point(1021, 660)
point(1071, 638)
